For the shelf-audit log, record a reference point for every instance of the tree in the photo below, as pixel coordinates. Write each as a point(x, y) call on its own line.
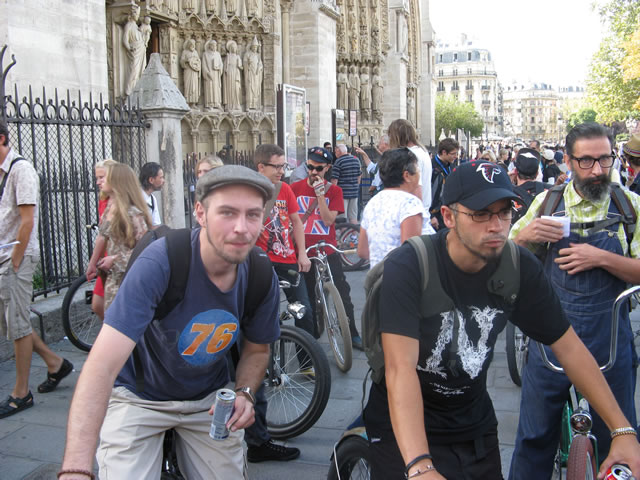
point(452, 114)
point(631, 62)
point(611, 96)
point(581, 116)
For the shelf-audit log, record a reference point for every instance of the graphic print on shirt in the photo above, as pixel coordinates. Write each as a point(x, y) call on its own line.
point(208, 336)
point(314, 224)
point(276, 230)
point(472, 357)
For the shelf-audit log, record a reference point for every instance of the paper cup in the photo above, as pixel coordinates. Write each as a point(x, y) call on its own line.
point(565, 221)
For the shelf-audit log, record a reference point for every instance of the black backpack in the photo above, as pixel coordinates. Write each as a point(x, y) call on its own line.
point(526, 194)
point(178, 242)
point(505, 282)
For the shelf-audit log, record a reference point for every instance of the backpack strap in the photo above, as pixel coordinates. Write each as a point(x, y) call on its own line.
point(625, 207)
point(4, 180)
point(505, 281)
point(272, 201)
point(550, 203)
point(314, 204)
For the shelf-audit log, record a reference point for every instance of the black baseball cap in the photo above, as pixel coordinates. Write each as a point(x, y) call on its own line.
point(476, 185)
point(528, 161)
point(233, 175)
point(319, 154)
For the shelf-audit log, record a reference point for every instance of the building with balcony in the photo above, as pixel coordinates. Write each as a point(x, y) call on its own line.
point(466, 71)
point(532, 112)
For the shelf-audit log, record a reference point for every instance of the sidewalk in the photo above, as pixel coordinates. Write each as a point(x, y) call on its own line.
point(32, 442)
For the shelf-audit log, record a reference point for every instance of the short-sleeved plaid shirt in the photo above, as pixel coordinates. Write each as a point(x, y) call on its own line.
point(582, 210)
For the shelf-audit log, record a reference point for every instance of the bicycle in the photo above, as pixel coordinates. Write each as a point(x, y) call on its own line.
point(578, 450)
point(298, 379)
point(517, 352)
point(329, 304)
point(347, 235)
point(351, 458)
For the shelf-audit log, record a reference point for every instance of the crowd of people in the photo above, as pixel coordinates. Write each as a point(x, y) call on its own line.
point(430, 416)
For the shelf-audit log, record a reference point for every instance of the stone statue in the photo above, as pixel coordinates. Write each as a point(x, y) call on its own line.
point(343, 88)
point(156, 4)
point(210, 6)
point(253, 69)
point(231, 7)
point(212, 75)
point(365, 91)
point(173, 6)
point(145, 28)
point(189, 6)
point(191, 66)
point(252, 8)
point(375, 40)
point(403, 34)
point(411, 107)
point(232, 78)
point(133, 40)
point(377, 90)
point(354, 88)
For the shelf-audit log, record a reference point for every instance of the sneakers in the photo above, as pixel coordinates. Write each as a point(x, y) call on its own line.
point(356, 342)
point(271, 451)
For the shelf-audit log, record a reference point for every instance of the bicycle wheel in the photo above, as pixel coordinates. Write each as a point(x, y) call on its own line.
point(297, 389)
point(351, 461)
point(517, 352)
point(81, 325)
point(581, 464)
point(347, 235)
point(337, 326)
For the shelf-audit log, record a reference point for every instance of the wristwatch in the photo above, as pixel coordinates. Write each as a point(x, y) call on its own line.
point(247, 392)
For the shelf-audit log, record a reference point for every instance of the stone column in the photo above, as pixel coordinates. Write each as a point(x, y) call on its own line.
point(394, 72)
point(164, 107)
point(426, 101)
point(285, 6)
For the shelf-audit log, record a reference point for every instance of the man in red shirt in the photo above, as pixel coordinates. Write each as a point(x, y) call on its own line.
point(319, 204)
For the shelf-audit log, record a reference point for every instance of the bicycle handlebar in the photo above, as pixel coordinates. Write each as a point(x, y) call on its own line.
point(322, 244)
point(613, 345)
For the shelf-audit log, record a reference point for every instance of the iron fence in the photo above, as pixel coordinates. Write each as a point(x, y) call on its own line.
point(228, 157)
point(64, 138)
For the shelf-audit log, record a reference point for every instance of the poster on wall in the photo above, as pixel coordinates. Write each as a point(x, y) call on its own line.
point(292, 123)
point(353, 123)
point(340, 126)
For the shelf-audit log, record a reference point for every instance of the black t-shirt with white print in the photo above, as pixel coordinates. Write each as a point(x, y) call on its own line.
point(457, 406)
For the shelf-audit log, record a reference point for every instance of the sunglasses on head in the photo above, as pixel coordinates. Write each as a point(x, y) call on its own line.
point(317, 168)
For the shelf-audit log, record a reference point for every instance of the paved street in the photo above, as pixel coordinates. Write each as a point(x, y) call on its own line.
point(32, 442)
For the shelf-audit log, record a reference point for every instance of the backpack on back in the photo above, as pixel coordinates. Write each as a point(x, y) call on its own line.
point(504, 282)
point(526, 194)
point(178, 243)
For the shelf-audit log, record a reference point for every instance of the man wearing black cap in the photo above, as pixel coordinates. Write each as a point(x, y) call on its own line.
point(320, 203)
point(527, 165)
point(432, 414)
point(183, 356)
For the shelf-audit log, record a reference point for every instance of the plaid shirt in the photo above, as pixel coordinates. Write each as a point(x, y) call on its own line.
point(582, 210)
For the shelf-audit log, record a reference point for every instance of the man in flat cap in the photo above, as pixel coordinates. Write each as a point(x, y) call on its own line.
point(183, 355)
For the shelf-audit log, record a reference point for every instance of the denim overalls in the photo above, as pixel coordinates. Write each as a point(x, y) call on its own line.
point(587, 299)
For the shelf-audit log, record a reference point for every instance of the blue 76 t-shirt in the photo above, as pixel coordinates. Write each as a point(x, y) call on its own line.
point(183, 355)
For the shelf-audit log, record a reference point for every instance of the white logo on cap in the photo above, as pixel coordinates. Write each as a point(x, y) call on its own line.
point(488, 171)
point(528, 155)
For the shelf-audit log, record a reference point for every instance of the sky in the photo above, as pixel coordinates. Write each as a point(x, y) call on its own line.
point(546, 41)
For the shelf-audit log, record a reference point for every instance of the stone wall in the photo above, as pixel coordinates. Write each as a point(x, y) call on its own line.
point(57, 43)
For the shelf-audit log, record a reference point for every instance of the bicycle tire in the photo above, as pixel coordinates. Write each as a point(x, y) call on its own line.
point(352, 460)
point(81, 325)
point(517, 352)
point(581, 464)
point(297, 399)
point(347, 235)
point(337, 327)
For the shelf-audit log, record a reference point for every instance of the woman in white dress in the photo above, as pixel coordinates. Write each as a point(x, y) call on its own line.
point(396, 213)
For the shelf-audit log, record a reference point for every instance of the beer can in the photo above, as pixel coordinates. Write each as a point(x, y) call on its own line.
point(222, 411)
point(619, 472)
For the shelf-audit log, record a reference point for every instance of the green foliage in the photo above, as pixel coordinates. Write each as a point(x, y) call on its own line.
point(452, 114)
point(581, 116)
point(611, 96)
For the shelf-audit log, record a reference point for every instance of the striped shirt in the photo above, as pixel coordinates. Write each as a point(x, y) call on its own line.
point(582, 210)
point(347, 170)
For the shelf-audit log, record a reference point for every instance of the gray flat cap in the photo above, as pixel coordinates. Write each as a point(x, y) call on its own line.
point(233, 175)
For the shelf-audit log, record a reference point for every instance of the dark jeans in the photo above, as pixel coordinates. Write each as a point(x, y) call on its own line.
point(341, 284)
point(472, 460)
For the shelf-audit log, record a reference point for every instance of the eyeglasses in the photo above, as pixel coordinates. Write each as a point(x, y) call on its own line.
point(317, 168)
point(605, 161)
point(282, 166)
point(485, 215)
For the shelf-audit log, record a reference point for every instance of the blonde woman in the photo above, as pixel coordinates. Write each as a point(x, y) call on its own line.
point(207, 163)
point(124, 222)
point(101, 170)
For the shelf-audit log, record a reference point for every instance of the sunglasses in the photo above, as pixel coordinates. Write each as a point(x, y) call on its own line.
point(318, 168)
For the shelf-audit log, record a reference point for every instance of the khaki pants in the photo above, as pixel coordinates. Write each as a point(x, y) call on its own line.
point(133, 431)
point(15, 298)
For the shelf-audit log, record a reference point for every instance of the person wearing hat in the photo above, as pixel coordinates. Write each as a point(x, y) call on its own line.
point(550, 171)
point(631, 151)
point(588, 269)
point(527, 165)
point(431, 414)
point(320, 203)
point(183, 356)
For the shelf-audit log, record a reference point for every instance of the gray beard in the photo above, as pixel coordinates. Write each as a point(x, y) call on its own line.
point(594, 192)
